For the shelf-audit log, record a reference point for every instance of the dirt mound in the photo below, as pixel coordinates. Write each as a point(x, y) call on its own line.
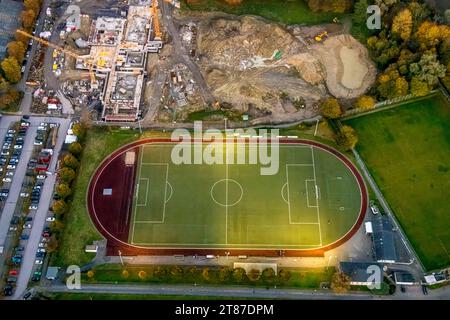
point(259, 65)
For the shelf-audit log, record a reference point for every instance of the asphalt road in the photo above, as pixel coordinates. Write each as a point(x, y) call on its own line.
point(41, 213)
point(241, 292)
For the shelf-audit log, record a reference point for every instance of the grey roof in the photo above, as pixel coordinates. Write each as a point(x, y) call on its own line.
point(9, 22)
point(357, 271)
point(383, 239)
point(52, 272)
point(402, 276)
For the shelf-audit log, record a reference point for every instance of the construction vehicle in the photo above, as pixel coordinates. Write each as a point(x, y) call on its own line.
point(156, 25)
point(321, 36)
point(88, 63)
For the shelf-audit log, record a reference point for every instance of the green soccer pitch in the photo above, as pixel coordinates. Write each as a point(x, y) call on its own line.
point(313, 201)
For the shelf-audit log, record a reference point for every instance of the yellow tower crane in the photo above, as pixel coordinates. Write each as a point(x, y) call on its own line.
point(89, 64)
point(156, 25)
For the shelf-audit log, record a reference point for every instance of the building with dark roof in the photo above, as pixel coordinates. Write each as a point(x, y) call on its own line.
point(9, 22)
point(384, 240)
point(404, 278)
point(362, 273)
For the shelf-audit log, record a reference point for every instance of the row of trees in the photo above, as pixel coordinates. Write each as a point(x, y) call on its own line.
point(69, 166)
point(338, 6)
point(412, 49)
point(10, 67)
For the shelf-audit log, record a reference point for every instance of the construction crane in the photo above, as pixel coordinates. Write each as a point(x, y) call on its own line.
point(156, 26)
point(89, 64)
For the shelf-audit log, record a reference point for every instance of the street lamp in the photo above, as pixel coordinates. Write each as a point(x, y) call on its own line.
point(120, 256)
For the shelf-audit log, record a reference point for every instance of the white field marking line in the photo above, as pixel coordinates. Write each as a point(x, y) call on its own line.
point(226, 194)
point(307, 194)
point(164, 205)
point(317, 200)
point(264, 246)
point(135, 207)
point(171, 191)
point(146, 193)
point(282, 194)
point(288, 192)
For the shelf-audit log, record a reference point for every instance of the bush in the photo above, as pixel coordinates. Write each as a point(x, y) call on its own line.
point(60, 207)
point(66, 175)
point(239, 275)
point(70, 161)
point(254, 275)
point(75, 149)
point(63, 190)
point(331, 108)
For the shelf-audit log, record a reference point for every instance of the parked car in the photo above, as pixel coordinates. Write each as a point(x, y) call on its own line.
point(24, 194)
point(11, 166)
point(33, 207)
point(42, 250)
point(50, 219)
point(6, 179)
point(36, 276)
point(13, 272)
point(27, 226)
point(424, 290)
point(40, 254)
point(8, 290)
point(24, 237)
point(38, 261)
point(41, 176)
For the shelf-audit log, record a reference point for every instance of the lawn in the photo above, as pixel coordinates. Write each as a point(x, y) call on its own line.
point(112, 273)
point(284, 11)
point(79, 230)
point(407, 150)
point(115, 296)
point(311, 200)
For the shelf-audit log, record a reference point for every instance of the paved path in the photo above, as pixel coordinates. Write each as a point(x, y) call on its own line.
point(40, 214)
point(241, 292)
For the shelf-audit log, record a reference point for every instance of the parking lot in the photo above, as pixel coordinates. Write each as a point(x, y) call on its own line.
point(25, 218)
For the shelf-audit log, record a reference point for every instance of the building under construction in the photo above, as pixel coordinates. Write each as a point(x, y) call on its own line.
point(118, 56)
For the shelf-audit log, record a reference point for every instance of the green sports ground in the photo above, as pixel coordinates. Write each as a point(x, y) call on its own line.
point(312, 201)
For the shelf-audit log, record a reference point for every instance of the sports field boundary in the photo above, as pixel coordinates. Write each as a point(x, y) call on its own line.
point(115, 244)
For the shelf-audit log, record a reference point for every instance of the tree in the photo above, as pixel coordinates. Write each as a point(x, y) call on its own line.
point(337, 6)
point(57, 226)
point(239, 275)
point(347, 137)
point(32, 5)
point(142, 275)
point(70, 161)
point(428, 69)
point(391, 84)
point(90, 274)
point(225, 274)
point(79, 130)
point(360, 12)
point(385, 5)
point(206, 274)
point(9, 98)
point(365, 102)
point(340, 282)
point(419, 88)
point(331, 108)
point(429, 34)
point(284, 275)
point(254, 275)
point(28, 17)
point(66, 175)
point(419, 12)
point(447, 16)
point(63, 190)
point(20, 37)
point(268, 275)
point(16, 49)
point(402, 24)
point(11, 68)
point(159, 272)
point(75, 148)
point(52, 244)
point(125, 273)
point(60, 207)
point(176, 272)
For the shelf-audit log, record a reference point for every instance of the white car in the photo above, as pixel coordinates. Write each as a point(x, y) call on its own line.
point(41, 176)
point(41, 250)
point(42, 245)
point(10, 174)
point(18, 146)
point(374, 209)
point(11, 166)
point(6, 179)
point(27, 226)
point(37, 143)
point(38, 261)
point(33, 207)
point(50, 219)
point(24, 194)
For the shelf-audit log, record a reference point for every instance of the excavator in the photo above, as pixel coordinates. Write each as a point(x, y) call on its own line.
point(321, 36)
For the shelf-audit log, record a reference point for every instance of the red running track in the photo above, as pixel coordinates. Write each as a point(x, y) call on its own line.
point(112, 214)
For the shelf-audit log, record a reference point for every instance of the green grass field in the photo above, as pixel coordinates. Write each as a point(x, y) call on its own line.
point(407, 150)
point(312, 201)
point(284, 11)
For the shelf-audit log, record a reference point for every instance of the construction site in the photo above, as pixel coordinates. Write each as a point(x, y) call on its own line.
point(212, 66)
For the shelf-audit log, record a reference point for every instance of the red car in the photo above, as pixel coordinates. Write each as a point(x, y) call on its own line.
point(14, 273)
point(46, 234)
